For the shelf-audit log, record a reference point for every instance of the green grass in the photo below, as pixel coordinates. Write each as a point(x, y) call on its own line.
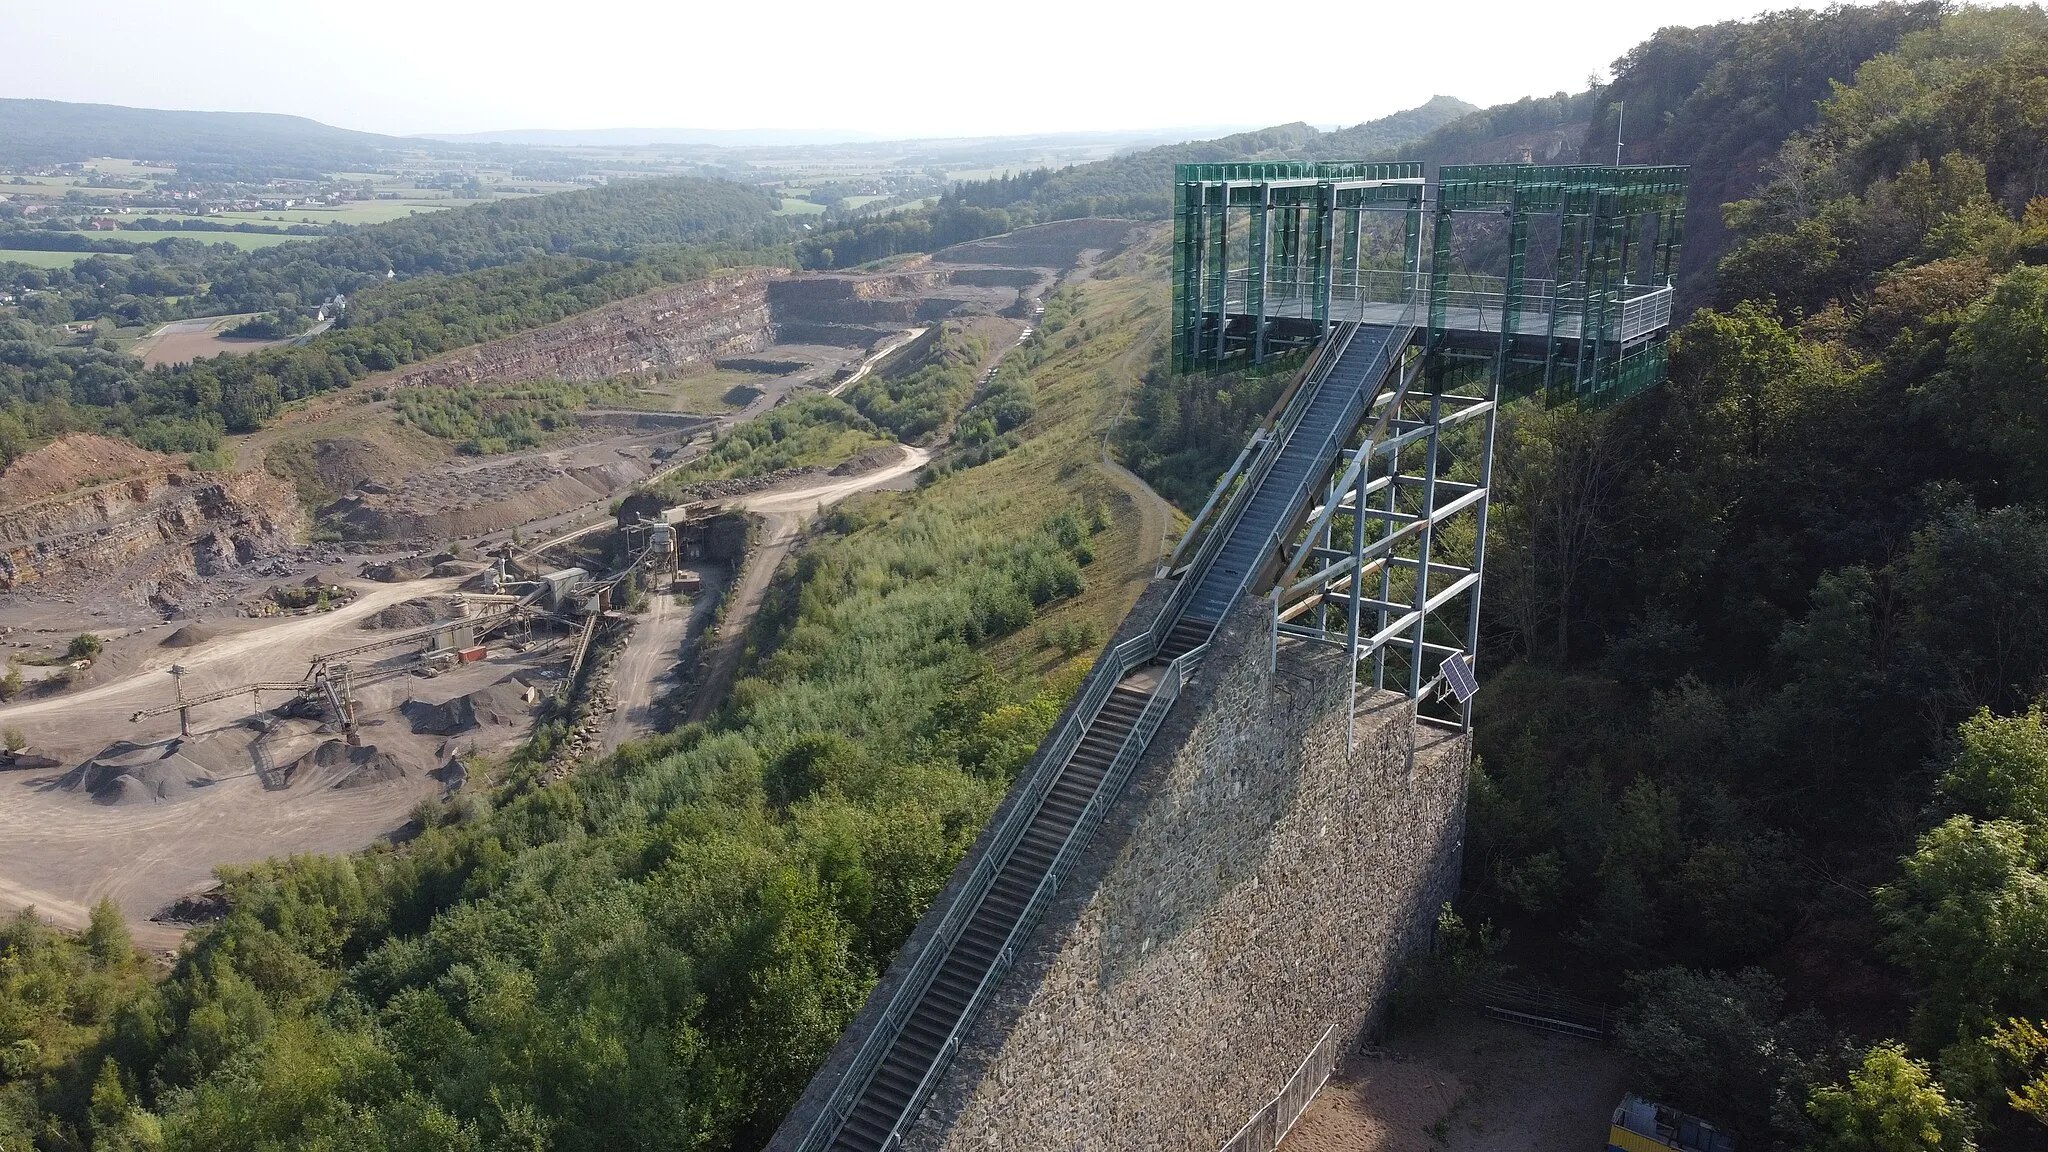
point(246, 241)
point(40, 259)
point(799, 208)
point(716, 391)
point(353, 212)
point(860, 201)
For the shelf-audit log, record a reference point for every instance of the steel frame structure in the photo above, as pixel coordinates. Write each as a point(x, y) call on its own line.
point(1389, 563)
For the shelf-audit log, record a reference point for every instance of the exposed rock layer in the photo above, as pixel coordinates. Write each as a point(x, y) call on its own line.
point(136, 535)
point(679, 327)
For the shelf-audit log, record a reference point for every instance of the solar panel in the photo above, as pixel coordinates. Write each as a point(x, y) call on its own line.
point(1458, 674)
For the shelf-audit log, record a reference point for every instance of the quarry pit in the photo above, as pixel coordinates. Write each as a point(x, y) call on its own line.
point(237, 576)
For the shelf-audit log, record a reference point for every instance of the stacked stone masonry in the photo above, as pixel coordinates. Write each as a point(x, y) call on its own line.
point(1261, 880)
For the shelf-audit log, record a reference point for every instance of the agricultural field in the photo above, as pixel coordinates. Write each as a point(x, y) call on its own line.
point(246, 241)
point(352, 212)
point(36, 258)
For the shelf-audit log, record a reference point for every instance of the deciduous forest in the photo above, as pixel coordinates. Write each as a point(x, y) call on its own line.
point(1762, 745)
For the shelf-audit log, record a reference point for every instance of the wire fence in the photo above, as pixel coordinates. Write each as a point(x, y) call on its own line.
point(1536, 1006)
point(1270, 1124)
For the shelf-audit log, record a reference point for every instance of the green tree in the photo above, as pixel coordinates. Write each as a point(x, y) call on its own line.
point(1996, 394)
point(1892, 1103)
point(2000, 768)
point(1969, 921)
point(84, 646)
point(106, 934)
point(1712, 1043)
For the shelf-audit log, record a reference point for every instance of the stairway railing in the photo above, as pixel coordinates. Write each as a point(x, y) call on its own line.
point(1117, 663)
point(1375, 371)
point(1113, 779)
point(1324, 358)
point(917, 980)
point(1276, 438)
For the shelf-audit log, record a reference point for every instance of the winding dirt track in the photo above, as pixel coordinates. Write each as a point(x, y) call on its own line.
point(61, 852)
point(784, 514)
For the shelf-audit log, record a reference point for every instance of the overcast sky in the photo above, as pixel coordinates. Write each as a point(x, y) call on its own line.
point(409, 66)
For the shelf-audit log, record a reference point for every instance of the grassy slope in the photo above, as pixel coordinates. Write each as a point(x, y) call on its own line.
point(659, 949)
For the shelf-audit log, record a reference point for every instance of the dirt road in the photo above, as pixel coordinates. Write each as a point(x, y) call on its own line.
point(784, 513)
point(61, 851)
point(88, 719)
point(881, 353)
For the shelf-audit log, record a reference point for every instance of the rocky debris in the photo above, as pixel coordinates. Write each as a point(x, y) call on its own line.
point(76, 461)
point(415, 613)
point(129, 773)
point(1055, 245)
point(149, 537)
point(456, 568)
point(475, 500)
point(311, 594)
point(349, 767)
point(694, 323)
point(396, 571)
point(191, 635)
point(199, 908)
point(24, 760)
point(503, 704)
point(880, 456)
point(761, 366)
point(743, 485)
point(585, 737)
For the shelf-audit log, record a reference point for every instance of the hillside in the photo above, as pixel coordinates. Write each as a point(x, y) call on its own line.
point(1762, 748)
point(255, 144)
point(1137, 186)
point(1762, 745)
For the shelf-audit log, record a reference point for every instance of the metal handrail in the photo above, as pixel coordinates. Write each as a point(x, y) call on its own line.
point(1270, 1125)
point(917, 980)
point(1374, 372)
point(1276, 439)
point(1320, 361)
point(1113, 780)
point(1095, 690)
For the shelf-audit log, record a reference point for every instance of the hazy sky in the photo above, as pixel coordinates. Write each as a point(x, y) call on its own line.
point(404, 66)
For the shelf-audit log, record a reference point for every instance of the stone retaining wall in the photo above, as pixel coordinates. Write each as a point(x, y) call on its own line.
point(1258, 883)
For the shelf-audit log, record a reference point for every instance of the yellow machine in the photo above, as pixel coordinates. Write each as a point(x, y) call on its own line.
point(1640, 1126)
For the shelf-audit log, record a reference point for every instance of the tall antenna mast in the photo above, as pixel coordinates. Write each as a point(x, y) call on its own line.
point(1620, 110)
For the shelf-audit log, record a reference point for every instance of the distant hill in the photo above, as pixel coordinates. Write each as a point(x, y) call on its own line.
point(613, 223)
point(646, 137)
point(262, 143)
point(1138, 184)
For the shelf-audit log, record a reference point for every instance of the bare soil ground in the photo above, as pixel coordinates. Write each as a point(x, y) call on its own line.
point(65, 843)
point(1467, 1083)
point(182, 341)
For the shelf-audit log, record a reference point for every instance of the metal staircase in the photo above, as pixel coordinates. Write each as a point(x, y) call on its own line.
point(1081, 769)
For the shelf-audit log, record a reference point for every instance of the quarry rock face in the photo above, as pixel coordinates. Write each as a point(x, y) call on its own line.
point(138, 534)
point(689, 324)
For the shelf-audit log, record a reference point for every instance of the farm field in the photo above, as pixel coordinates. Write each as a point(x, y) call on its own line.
point(182, 341)
point(793, 207)
point(36, 258)
point(246, 241)
point(353, 212)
